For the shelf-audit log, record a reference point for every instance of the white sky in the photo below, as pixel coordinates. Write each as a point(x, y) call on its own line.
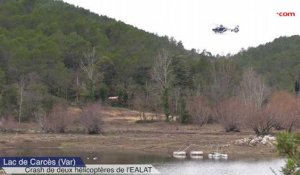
point(191, 21)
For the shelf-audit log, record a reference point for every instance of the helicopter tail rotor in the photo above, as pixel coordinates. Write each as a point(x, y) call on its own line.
point(236, 29)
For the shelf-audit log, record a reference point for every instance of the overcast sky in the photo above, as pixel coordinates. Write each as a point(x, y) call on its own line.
point(191, 21)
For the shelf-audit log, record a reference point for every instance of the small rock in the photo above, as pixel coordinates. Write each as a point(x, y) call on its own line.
point(264, 141)
point(259, 138)
point(226, 145)
point(239, 142)
point(254, 142)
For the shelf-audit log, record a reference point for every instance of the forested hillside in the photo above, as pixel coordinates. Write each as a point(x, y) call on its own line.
point(52, 52)
point(44, 45)
point(278, 61)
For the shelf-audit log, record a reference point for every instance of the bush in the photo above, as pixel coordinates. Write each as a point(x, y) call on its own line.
point(199, 110)
point(289, 145)
point(57, 120)
point(91, 118)
point(285, 107)
point(261, 121)
point(8, 124)
point(231, 114)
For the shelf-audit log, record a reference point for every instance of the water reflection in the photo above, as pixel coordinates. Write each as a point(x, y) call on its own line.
point(213, 167)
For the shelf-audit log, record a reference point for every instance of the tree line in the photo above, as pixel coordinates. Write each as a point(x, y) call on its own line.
point(234, 97)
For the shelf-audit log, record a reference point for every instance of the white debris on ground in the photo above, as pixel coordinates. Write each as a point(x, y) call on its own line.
point(267, 140)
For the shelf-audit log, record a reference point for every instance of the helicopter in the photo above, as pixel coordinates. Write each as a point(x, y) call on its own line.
point(221, 29)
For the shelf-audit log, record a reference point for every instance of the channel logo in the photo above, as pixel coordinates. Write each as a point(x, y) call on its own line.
point(286, 14)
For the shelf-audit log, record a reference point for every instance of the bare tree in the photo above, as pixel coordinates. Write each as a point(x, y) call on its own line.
point(174, 102)
point(145, 100)
point(199, 109)
point(23, 82)
point(21, 86)
point(140, 102)
point(161, 74)
point(153, 103)
point(260, 120)
point(88, 65)
point(253, 92)
point(224, 74)
point(253, 89)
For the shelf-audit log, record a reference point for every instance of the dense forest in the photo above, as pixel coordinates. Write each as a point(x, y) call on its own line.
point(43, 44)
point(53, 52)
point(278, 61)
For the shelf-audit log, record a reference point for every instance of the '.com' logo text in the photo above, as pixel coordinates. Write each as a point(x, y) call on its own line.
point(288, 14)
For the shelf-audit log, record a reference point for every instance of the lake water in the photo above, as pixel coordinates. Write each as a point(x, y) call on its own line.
point(209, 167)
point(166, 165)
